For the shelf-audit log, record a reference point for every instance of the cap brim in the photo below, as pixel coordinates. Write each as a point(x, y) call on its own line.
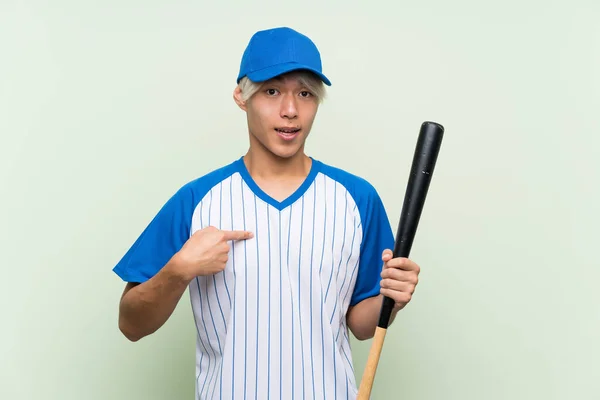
point(276, 70)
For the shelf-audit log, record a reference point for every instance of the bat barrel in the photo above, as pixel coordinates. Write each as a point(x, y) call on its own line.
point(423, 164)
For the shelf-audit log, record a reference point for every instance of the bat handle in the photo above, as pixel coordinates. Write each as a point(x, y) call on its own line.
point(366, 384)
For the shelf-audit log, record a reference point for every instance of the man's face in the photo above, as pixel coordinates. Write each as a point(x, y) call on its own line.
point(280, 116)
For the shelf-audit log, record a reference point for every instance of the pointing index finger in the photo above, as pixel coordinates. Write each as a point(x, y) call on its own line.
point(237, 235)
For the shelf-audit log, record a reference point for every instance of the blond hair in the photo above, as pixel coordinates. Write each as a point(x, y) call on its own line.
point(307, 79)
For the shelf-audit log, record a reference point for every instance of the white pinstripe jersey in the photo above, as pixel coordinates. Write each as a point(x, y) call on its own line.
point(272, 325)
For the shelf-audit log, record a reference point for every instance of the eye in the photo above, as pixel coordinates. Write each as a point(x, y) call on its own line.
point(305, 93)
point(271, 92)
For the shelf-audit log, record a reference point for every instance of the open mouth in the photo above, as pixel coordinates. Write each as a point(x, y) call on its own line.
point(287, 133)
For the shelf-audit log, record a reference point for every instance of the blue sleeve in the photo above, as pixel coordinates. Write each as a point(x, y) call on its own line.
point(377, 236)
point(160, 240)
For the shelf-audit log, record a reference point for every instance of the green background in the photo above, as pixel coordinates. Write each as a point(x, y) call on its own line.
point(107, 107)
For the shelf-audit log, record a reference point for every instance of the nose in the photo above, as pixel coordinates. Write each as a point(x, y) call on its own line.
point(289, 107)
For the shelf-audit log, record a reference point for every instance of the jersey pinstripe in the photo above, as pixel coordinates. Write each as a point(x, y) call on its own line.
point(272, 325)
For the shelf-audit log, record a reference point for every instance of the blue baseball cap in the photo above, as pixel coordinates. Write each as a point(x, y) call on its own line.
point(276, 51)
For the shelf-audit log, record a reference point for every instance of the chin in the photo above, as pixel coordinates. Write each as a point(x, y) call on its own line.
point(286, 153)
point(283, 151)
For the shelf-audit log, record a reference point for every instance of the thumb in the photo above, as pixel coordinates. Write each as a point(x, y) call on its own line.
point(237, 235)
point(387, 255)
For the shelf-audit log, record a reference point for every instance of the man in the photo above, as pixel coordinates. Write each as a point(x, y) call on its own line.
point(282, 254)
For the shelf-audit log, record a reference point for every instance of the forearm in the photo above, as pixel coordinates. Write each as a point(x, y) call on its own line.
point(363, 317)
point(146, 307)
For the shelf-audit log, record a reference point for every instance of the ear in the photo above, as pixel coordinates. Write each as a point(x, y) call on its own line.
point(237, 97)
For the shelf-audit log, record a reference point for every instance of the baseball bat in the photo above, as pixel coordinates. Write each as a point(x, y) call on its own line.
point(424, 160)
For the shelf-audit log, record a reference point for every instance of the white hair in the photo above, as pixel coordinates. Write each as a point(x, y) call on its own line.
point(307, 79)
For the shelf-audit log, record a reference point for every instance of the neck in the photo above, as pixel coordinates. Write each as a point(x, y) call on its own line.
point(263, 164)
